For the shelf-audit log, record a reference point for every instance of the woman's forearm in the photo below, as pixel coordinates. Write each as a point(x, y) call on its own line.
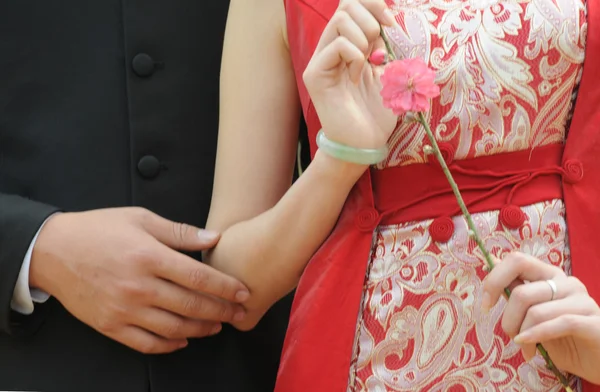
point(269, 252)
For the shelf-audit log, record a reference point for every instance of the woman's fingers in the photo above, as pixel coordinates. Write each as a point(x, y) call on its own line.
point(576, 301)
point(377, 8)
point(342, 25)
point(353, 15)
point(340, 52)
point(579, 305)
point(368, 16)
point(540, 293)
point(348, 39)
point(527, 298)
point(516, 267)
point(562, 326)
point(519, 317)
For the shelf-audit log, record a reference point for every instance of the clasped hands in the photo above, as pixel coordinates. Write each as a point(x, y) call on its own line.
point(118, 271)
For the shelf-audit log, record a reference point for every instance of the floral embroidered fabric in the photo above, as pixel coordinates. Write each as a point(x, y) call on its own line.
point(508, 71)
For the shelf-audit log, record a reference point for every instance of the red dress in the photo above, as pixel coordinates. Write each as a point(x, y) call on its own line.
point(391, 301)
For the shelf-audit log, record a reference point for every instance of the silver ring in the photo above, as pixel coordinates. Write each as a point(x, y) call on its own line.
point(552, 287)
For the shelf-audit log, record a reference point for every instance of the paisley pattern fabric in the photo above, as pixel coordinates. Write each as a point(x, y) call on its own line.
point(508, 71)
point(506, 68)
point(422, 326)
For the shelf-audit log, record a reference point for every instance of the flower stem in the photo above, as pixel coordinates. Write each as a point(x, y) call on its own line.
point(473, 232)
point(388, 46)
point(457, 194)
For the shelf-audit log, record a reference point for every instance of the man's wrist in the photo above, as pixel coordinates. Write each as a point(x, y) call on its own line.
point(42, 257)
point(23, 295)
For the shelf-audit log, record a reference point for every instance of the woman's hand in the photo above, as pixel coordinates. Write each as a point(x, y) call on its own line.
point(343, 85)
point(566, 322)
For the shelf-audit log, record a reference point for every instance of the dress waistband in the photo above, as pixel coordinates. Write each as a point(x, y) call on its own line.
point(498, 182)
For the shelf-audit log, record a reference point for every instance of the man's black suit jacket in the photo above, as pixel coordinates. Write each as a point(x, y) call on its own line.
point(112, 103)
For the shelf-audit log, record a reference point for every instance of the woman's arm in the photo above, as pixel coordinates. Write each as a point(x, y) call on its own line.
point(268, 235)
point(269, 230)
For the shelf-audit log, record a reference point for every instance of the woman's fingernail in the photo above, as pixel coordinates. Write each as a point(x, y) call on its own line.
point(183, 344)
point(377, 57)
point(518, 339)
point(521, 338)
point(242, 295)
point(486, 301)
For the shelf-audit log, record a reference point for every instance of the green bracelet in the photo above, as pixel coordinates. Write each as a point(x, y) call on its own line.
point(360, 156)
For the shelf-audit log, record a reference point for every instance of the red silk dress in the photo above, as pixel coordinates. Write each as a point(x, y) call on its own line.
point(392, 300)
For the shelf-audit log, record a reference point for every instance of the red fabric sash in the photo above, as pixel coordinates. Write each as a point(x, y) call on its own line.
point(486, 183)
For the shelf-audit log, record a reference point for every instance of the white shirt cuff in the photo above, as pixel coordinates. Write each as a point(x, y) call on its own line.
point(24, 296)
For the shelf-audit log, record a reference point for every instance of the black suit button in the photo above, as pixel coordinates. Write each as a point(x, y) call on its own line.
point(149, 166)
point(143, 65)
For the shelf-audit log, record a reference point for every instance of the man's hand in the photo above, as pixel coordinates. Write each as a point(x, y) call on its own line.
point(116, 270)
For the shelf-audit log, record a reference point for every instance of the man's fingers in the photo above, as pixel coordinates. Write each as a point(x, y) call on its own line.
point(194, 305)
point(196, 276)
point(146, 342)
point(178, 235)
point(172, 326)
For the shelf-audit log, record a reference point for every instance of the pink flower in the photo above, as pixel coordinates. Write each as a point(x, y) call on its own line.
point(408, 85)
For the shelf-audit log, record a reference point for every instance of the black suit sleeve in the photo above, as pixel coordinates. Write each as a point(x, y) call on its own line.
point(20, 219)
